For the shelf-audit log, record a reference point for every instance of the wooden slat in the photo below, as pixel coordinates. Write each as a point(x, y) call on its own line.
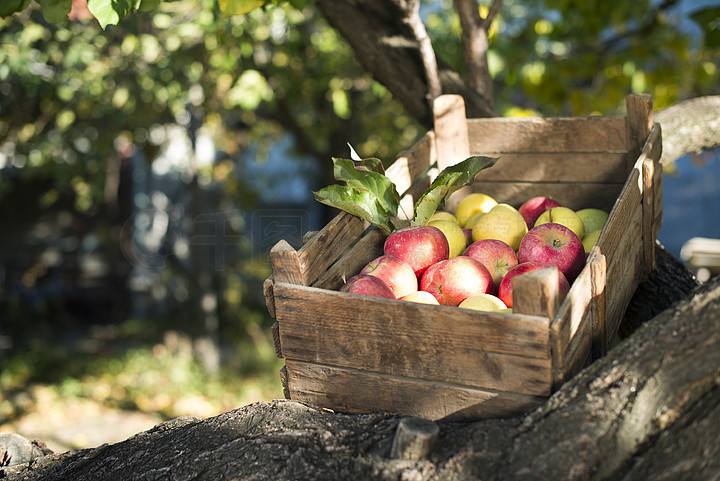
point(367, 248)
point(638, 123)
point(353, 391)
point(598, 281)
point(451, 138)
point(414, 340)
point(593, 167)
point(577, 356)
point(275, 329)
point(624, 272)
point(533, 134)
point(412, 164)
point(650, 161)
point(451, 130)
point(626, 207)
point(328, 244)
point(268, 293)
point(573, 312)
point(286, 264)
point(536, 293)
point(575, 196)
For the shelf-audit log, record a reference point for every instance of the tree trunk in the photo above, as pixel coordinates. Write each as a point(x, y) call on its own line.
point(648, 410)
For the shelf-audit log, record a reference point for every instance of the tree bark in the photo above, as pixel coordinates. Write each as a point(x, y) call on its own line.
point(689, 127)
point(648, 410)
point(385, 45)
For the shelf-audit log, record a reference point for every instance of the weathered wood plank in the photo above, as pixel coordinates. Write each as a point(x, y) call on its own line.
point(415, 340)
point(571, 314)
point(593, 167)
point(286, 264)
point(638, 123)
point(533, 134)
point(451, 130)
point(350, 390)
point(537, 293)
point(413, 163)
point(625, 209)
point(367, 248)
point(650, 161)
point(598, 281)
point(328, 244)
point(268, 294)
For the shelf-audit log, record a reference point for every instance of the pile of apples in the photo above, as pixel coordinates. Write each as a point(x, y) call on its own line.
point(469, 257)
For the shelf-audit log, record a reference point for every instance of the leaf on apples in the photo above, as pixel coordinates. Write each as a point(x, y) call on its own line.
point(368, 180)
point(448, 181)
point(361, 203)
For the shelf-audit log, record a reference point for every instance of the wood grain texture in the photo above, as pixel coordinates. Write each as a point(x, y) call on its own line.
point(353, 391)
point(413, 163)
point(534, 134)
point(537, 293)
point(286, 264)
point(367, 248)
point(638, 123)
point(592, 167)
point(328, 244)
point(494, 351)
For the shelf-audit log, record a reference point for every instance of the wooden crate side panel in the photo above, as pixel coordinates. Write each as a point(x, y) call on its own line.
point(533, 134)
point(328, 244)
point(592, 167)
point(567, 329)
point(624, 273)
point(575, 196)
point(353, 391)
point(627, 206)
point(367, 248)
point(417, 341)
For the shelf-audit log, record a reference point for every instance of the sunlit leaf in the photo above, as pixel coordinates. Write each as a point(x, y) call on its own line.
point(109, 12)
point(376, 183)
point(360, 203)
point(448, 181)
point(240, 7)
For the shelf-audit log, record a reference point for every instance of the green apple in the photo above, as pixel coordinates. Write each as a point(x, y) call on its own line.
point(592, 219)
point(590, 239)
point(563, 216)
point(443, 215)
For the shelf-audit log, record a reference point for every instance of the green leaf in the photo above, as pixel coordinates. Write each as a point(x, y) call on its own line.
point(110, 12)
point(56, 11)
point(360, 203)
point(8, 7)
point(148, 5)
point(373, 182)
point(448, 181)
point(371, 164)
point(240, 7)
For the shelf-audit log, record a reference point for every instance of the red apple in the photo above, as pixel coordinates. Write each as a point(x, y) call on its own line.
point(367, 286)
point(505, 291)
point(419, 246)
point(497, 257)
point(453, 280)
point(395, 272)
point(553, 244)
point(533, 207)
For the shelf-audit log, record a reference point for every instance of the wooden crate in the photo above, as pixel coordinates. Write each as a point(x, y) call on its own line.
point(353, 353)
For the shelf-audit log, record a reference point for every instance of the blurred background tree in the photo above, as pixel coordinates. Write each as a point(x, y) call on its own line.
point(149, 165)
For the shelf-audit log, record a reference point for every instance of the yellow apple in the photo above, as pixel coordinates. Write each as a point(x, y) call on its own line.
point(443, 215)
point(590, 239)
point(592, 219)
point(502, 222)
point(563, 216)
point(472, 204)
point(473, 220)
point(483, 302)
point(454, 234)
